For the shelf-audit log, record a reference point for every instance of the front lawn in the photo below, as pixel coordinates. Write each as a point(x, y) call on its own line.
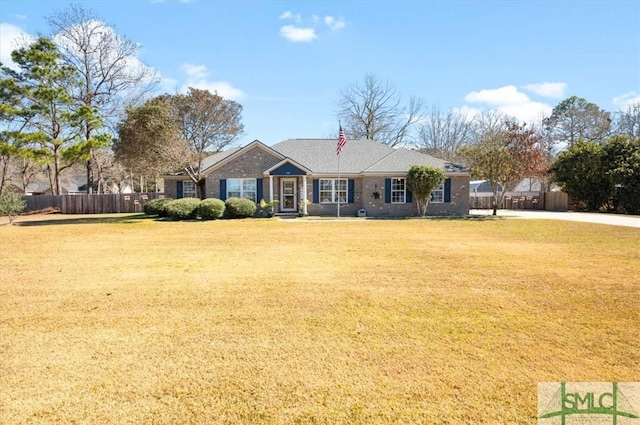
point(134, 320)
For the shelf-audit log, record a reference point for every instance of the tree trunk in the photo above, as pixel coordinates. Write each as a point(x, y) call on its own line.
point(496, 198)
point(56, 174)
point(5, 166)
point(89, 179)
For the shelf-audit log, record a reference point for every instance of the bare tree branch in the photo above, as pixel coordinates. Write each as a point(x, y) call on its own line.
point(441, 134)
point(373, 110)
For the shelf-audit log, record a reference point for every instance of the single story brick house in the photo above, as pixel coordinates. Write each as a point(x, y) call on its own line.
point(306, 176)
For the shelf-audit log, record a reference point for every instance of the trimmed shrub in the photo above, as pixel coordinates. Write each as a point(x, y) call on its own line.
point(240, 207)
point(157, 207)
point(11, 205)
point(210, 209)
point(183, 208)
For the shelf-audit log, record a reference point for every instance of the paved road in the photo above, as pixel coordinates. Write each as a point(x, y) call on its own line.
point(600, 218)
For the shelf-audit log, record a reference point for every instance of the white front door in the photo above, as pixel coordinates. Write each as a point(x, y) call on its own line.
point(288, 198)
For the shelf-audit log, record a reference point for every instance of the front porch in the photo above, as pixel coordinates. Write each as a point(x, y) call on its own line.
point(289, 193)
point(288, 187)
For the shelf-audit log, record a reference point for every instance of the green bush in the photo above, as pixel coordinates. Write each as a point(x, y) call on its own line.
point(11, 205)
point(210, 209)
point(240, 207)
point(184, 208)
point(157, 207)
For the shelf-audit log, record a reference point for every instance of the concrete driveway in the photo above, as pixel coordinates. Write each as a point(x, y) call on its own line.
point(599, 218)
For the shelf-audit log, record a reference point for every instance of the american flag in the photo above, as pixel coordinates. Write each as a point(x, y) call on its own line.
point(342, 140)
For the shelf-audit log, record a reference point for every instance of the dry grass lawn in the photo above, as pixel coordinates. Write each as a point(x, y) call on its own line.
point(131, 320)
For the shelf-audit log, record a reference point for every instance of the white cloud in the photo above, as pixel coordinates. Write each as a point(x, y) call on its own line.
point(508, 100)
point(507, 95)
point(194, 71)
point(553, 90)
point(624, 101)
point(21, 16)
point(305, 29)
point(12, 38)
point(294, 16)
point(333, 23)
point(530, 112)
point(297, 34)
point(197, 77)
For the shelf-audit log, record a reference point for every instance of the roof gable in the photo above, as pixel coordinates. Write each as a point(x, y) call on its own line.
point(287, 167)
point(219, 160)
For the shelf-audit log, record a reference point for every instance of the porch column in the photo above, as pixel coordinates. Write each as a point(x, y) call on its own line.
point(270, 189)
point(304, 194)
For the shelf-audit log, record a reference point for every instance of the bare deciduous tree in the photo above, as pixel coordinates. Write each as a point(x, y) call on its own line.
point(374, 110)
point(441, 134)
point(111, 76)
point(628, 121)
point(489, 122)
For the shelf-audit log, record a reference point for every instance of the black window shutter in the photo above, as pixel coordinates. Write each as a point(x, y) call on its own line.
point(409, 196)
point(351, 189)
point(316, 191)
point(258, 190)
point(179, 193)
point(447, 190)
point(387, 191)
point(223, 189)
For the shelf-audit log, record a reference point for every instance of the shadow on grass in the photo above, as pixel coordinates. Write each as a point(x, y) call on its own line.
point(468, 218)
point(478, 217)
point(139, 217)
point(444, 218)
point(125, 219)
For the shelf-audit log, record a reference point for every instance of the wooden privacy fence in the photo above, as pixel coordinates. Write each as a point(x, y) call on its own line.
point(556, 201)
point(550, 201)
point(91, 204)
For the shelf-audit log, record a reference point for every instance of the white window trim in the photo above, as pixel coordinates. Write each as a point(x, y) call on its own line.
point(440, 188)
point(242, 188)
point(404, 191)
point(191, 192)
point(333, 191)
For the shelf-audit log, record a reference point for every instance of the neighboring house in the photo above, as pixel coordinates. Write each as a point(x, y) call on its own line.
point(69, 185)
point(307, 177)
point(534, 184)
point(482, 188)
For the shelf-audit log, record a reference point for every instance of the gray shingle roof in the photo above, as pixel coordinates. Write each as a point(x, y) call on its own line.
point(359, 156)
point(400, 160)
point(319, 155)
point(215, 158)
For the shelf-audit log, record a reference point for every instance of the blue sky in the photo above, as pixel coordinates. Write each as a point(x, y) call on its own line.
point(286, 62)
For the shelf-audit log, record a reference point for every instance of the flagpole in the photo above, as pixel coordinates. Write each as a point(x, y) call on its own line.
point(338, 184)
point(342, 140)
